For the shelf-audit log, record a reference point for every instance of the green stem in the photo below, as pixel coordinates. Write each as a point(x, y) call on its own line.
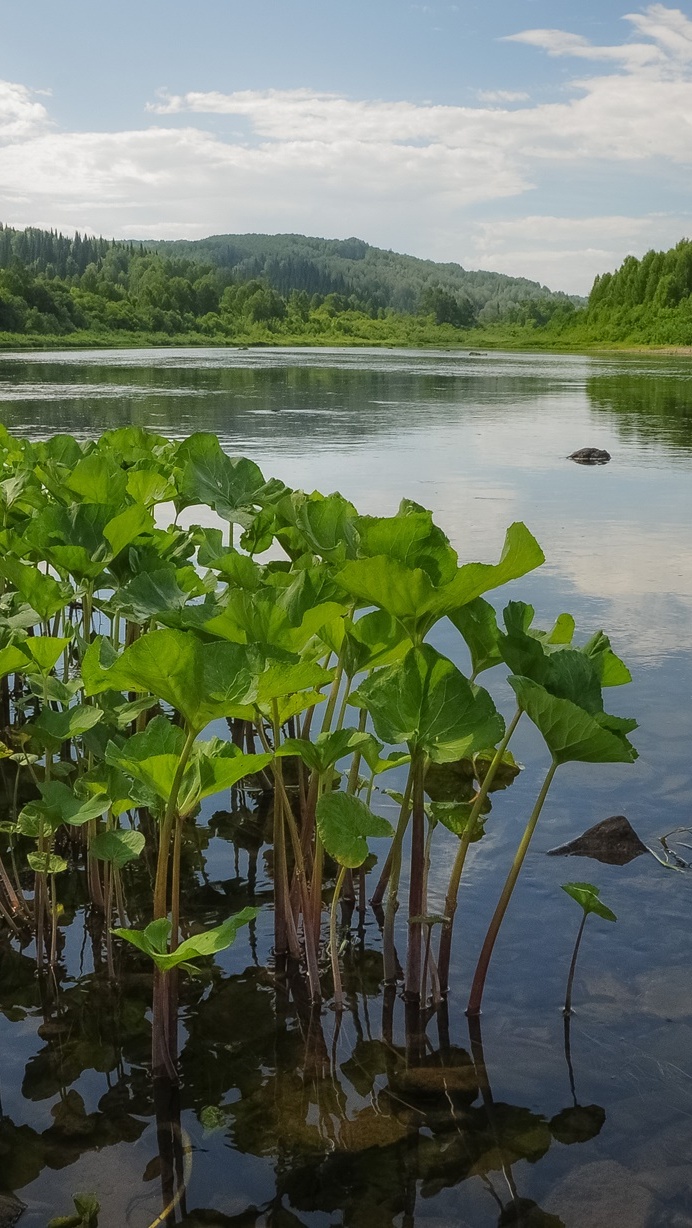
point(573, 968)
point(445, 946)
point(161, 885)
point(388, 949)
point(416, 897)
point(333, 942)
point(481, 972)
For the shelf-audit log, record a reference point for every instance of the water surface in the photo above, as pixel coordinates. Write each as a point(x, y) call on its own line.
point(289, 1124)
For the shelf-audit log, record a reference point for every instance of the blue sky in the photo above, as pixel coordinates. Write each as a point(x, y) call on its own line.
point(533, 137)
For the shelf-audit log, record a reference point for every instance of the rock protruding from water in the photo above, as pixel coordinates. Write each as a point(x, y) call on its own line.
point(590, 456)
point(613, 841)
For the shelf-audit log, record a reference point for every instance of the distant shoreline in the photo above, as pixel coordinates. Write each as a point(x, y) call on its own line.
point(45, 344)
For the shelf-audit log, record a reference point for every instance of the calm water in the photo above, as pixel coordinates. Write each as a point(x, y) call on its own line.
point(286, 1123)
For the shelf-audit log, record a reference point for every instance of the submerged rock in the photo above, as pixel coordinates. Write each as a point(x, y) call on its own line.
point(613, 841)
point(590, 456)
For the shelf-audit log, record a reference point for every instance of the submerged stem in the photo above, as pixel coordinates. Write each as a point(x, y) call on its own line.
point(481, 972)
point(573, 967)
point(394, 874)
point(333, 943)
point(451, 899)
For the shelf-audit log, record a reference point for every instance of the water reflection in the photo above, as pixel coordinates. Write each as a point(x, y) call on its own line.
point(352, 1121)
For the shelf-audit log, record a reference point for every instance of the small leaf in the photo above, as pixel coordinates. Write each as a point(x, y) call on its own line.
point(586, 896)
point(344, 824)
point(46, 863)
point(117, 847)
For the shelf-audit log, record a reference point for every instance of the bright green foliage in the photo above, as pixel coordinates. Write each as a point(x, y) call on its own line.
point(44, 594)
point(154, 940)
point(345, 823)
point(410, 596)
point(586, 896)
point(117, 847)
point(58, 805)
point(327, 748)
point(151, 759)
point(51, 728)
point(121, 641)
point(571, 733)
point(427, 702)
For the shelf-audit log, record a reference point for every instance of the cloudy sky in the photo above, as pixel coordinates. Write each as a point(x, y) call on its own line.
point(535, 137)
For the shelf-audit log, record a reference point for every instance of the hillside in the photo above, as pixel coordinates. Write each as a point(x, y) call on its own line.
point(98, 291)
point(374, 278)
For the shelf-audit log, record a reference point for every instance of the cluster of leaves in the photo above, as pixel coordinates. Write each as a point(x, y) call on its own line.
point(125, 640)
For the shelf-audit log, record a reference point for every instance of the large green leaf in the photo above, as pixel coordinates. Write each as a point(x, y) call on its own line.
point(52, 728)
point(229, 485)
point(426, 702)
point(611, 670)
point(571, 733)
point(151, 758)
point(202, 681)
point(344, 823)
point(126, 526)
point(375, 639)
point(586, 896)
point(13, 659)
point(477, 622)
point(408, 594)
point(412, 538)
point(46, 863)
point(44, 594)
point(117, 847)
point(45, 650)
point(155, 938)
point(98, 478)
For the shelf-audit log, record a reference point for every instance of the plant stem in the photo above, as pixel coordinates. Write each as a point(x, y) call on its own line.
point(416, 900)
point(161, 885)
point(388, 950)
point(445, 946)
point(573, 967)
point(481, 972)
point(333, 942)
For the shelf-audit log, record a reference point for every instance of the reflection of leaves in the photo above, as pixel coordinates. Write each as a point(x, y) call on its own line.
point(578, 1124)
point(527, 1214)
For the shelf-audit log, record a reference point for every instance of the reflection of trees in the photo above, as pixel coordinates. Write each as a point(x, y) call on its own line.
point(361, 403)
point(647, 408)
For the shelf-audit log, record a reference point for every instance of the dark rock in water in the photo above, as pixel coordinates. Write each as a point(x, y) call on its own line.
point(613, 841)
point(590, 456)
point(10, 1210)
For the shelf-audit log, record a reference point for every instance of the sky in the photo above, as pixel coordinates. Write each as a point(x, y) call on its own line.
point(534, 137)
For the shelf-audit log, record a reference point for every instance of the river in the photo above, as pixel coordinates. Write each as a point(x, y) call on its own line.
point(276, 1138)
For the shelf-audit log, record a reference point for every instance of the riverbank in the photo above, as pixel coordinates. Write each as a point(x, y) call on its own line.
point(434, 338)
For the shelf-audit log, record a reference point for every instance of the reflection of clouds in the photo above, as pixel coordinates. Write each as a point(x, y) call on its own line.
point(641, 577)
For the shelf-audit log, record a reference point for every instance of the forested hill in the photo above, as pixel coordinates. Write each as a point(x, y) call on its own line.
point(370, 277)
point(96, 291)
point(647, 300)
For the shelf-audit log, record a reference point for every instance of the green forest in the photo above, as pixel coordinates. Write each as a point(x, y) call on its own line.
point(289, 289)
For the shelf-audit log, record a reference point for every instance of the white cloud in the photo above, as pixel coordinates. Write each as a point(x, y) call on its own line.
point(571, 251)
point(413, 176)
point(20, 115)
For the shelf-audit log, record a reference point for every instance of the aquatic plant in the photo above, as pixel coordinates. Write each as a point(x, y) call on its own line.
point(295, 635)
point(586, 896)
